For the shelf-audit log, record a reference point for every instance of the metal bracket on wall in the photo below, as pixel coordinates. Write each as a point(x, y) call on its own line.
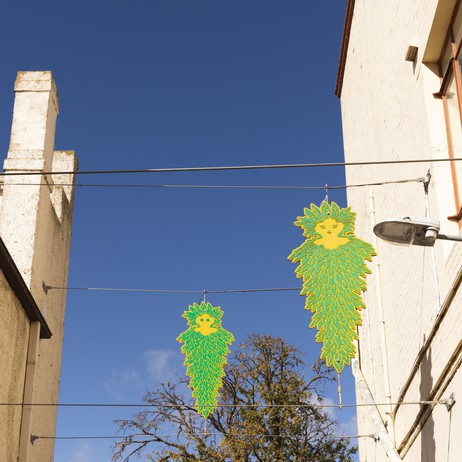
point(426, 181)
point(450, 402)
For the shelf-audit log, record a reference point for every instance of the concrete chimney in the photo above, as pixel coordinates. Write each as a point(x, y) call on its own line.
point(35, 225)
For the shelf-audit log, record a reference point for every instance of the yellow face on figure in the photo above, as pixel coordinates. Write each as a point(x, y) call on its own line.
point(205, 321)
point(329, 229)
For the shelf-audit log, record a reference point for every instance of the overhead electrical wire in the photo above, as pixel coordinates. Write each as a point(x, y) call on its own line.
point(35, 437)
point(235, 167)
point(172, 291)
point(206, 186)
point(192, 406)
point(205, 291)
point(148, 438)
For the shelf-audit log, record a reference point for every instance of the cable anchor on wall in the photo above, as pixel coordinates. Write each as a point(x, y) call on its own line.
point(450, 402)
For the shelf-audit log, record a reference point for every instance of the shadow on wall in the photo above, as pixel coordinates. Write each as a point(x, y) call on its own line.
point(428, 432)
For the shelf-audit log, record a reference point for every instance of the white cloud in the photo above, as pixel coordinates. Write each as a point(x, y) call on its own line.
point(122, 383)
point(162, 365)
point(347, 422)
point(350, 427)
point(326, 401)
point(82, 453)
point(331, 410)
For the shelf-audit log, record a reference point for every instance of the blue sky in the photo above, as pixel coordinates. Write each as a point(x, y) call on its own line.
point(149, 84)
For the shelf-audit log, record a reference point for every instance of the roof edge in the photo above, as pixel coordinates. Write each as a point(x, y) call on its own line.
point(344, 49)
point(22, 292)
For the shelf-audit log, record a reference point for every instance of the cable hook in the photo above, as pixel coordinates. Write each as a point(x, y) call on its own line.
point(327, 192)
point(426, 184)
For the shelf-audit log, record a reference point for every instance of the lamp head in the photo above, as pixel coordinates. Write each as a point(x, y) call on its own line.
point(408, 231)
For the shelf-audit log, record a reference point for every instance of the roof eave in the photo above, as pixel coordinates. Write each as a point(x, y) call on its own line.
point(344, 49)
point(22, 292)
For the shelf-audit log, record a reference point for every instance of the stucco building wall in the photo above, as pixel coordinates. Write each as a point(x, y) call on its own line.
point(35, 226)
point(13, 355)
point(389, 114)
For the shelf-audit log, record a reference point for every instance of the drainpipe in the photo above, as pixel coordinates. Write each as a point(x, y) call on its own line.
point(426, 183)
point(368, 400)
point(382, 331)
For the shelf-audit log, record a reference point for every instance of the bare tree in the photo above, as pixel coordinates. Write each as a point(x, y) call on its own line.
point(267, 413)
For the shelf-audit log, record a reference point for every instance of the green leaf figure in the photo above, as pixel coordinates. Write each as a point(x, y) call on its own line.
point(205, 345)
point(332, 266)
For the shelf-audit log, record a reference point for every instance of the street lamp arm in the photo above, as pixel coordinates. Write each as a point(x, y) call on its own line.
point(449, 238)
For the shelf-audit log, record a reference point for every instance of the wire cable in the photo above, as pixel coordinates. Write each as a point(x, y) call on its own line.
point(192, 406)
point(203, 292)
point(173, 291)
point(206, 186)
point(174, 435)
point(234, 167)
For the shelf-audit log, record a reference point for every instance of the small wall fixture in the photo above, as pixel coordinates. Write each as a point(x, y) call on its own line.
point(411, 54)
point(412, 231)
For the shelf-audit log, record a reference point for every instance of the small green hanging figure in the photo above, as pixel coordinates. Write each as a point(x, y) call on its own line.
point(332, 266)
point(205, 345)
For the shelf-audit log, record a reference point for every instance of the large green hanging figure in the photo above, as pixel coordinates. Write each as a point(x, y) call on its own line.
point(332, 266)
point(205, 345)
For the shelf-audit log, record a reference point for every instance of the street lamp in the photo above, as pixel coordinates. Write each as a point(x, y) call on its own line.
point(412, 231)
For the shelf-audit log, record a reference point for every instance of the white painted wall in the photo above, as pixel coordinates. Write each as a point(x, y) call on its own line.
point(389, 113)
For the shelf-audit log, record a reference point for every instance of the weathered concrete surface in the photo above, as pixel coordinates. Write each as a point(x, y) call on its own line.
point(35, 224)
point(14, 332)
